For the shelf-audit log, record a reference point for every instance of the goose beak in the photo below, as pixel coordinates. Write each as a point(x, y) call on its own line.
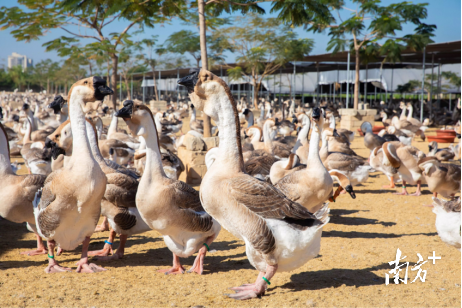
point(127, 110)
point(57, 104)
point(349, 189)
point(101, 89)
point(189, 81)
point(316, 113)
point(25, 107)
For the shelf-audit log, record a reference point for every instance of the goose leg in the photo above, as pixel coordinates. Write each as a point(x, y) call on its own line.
point(120, 250)
point(259, 288)
point(82, 265)
point(392, 184)
point(404, 191)
point(107, 249)
point(176, 269)
point(53, 266)
point(198, 266)
point(104, 226)
point(435, 194)
point(418, 191)
point(41, 249)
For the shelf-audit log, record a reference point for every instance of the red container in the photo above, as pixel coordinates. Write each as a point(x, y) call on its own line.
point(441, 139)
point(446, 133)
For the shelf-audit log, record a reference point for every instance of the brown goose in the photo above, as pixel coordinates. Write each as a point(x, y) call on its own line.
point(171, 207)
point(280, 235)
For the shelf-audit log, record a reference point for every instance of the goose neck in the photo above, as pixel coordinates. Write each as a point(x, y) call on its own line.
point(112, 127)
point(250, 119)
point(154, 169)
point(80, 145)
point(313, 154)
point(267, 137)
point(230, 149)
point(92, 139)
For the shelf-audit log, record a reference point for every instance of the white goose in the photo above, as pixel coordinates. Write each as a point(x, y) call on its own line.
point(280, 235)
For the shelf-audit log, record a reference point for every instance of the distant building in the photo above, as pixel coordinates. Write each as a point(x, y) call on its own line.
point(17, 59)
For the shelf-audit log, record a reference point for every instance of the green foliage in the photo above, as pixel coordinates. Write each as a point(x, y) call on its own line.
point(432, 86)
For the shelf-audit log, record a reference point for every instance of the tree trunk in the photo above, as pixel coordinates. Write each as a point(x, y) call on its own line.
point(129, 94)
point(108, 81)
point(115, 61)
point(356, 92)
point(91, 71)
point(203, 42)
point(48, 85)
point(155, 85)
point(256, 88)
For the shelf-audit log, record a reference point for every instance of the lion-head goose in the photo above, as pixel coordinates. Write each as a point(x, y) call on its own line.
point(68, 207)
point(171, 207)
point(448, 221)
point(440, 154)
point(280, 235)
point(17, 193)
point(441, 178)
point(312, 186)
point(405, 158)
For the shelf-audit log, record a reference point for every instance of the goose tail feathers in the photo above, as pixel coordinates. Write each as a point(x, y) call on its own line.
point(323, 214)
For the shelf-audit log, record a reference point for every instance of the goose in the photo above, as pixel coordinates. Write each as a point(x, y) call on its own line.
point(413, 121)
point(337, 142)
point(388, 137)
point(171, 207)
point(448, 222)
point(59, 107)
point(17, 193)
point(36, 158)
point(376, 160)
point(194, 124)
point(440, 154)
point(121, 156)
point(403, 138)
point(311, 186)
point(405, 158)
point(441, 178)
point(371, 140)
point(408, 128)
point(279, 234)
point(248, 114)
point(112, 133)
point(66, 211)
point(260, 120)
point(456, 149)
point(385, 120)
point(403, 108)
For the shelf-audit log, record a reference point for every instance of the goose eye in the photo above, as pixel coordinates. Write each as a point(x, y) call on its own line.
point(85, 82)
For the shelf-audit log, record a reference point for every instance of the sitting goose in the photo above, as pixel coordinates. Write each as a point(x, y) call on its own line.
point(17, 193)
point(448, 221)
point(280, 235)
point(171, 207)
point(66, 211)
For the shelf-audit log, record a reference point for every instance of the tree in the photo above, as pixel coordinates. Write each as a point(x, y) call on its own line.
point(18, 76)
point(431, 84)
point(127, 61)
point(263, 47)
point(150, 60)
point(40, 16)
point(372, 29)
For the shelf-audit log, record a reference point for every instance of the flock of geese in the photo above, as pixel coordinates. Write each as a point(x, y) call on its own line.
point(267, 187)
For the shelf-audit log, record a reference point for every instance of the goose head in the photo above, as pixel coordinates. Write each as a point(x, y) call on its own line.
point(57, 104)
point(344, 181)
point(428, 165)
point(60, 141)
point(210, 89)
point(317, 120)
point(137, 117)
point(90, 89)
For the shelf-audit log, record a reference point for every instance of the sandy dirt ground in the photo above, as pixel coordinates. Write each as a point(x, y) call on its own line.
point(362, 236)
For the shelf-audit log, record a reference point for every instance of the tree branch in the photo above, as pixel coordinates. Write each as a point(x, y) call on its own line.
point(126, 29)
point(80, 35)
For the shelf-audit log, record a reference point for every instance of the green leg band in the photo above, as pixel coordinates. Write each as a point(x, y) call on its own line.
point(207, 246)
point(267, 281)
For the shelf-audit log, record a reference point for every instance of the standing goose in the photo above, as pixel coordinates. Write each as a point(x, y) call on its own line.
point(445, 154)
point(17, 193)
point(68, 207)
point(280, 235)
point(169, 206)
point(311, 186)
point(441, 178)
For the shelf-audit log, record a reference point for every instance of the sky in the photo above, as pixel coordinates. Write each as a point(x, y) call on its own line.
point(445, 14)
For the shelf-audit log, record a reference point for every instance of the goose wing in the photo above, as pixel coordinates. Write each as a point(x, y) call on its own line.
point(265, 200)
point(48, 215)
point(343, 162)
point(453, 172)
point(191, 215)
point(121, 190)
point(31, 183)
point(288, 186)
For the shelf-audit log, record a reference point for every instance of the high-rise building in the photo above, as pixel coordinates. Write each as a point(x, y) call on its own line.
point(17, 59)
